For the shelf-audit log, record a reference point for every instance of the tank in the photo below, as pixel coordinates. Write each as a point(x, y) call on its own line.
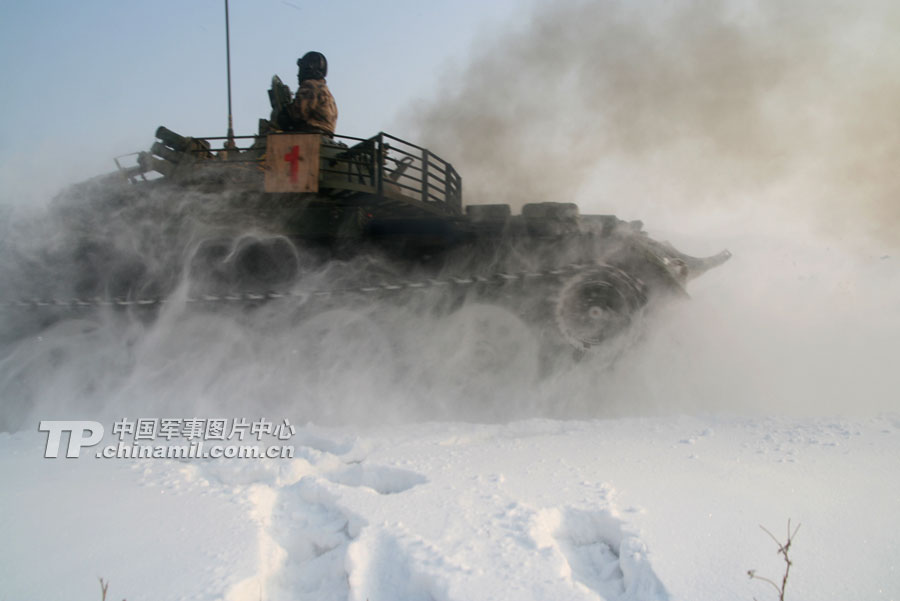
point(384, 217)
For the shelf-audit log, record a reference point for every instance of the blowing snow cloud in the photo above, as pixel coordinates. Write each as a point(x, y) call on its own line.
point(702, 105)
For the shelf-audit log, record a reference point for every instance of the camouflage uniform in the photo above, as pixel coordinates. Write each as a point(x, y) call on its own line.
point(313, 108)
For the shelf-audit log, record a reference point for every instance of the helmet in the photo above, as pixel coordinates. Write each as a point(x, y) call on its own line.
point(312, 66)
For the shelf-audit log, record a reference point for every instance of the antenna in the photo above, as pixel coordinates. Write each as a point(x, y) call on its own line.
point(230, 143)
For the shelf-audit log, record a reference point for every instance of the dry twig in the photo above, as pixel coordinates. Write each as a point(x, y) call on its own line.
point(783, 550)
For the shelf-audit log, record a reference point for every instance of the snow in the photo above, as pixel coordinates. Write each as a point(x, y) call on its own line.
point(639, 508)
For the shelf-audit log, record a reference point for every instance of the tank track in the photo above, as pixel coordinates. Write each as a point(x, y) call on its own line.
point(495, 279)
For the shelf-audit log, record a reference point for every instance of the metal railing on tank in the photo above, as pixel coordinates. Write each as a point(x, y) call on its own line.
point(390, 167)
point(384, 166)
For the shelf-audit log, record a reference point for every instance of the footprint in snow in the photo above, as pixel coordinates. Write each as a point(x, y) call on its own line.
point(302, 544)
point(604, 557)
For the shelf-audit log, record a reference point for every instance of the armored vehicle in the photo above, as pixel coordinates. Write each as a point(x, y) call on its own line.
point(579, 280)
point(383, 217)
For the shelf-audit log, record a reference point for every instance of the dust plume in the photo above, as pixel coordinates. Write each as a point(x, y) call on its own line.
point(689, 107)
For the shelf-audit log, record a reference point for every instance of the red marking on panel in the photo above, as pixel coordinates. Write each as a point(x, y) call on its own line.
point(293, 157)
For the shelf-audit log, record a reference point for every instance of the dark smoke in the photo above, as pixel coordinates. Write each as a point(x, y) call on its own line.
point(699, 105)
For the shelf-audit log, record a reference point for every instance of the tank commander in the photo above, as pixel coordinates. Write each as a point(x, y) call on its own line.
point(313, 108)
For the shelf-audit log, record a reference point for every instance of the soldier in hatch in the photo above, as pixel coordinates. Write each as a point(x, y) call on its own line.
point(313, 108)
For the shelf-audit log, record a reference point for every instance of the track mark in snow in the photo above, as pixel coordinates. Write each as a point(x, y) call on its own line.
point(383, 480)
point(602, 555)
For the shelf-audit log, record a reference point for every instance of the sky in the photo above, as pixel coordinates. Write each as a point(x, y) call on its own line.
point(86, 81)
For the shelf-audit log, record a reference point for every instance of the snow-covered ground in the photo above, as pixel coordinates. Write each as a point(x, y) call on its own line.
point(772, 395)
point(649, 508)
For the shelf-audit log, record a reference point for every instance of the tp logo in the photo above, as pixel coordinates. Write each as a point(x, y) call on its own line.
point(77, 438)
